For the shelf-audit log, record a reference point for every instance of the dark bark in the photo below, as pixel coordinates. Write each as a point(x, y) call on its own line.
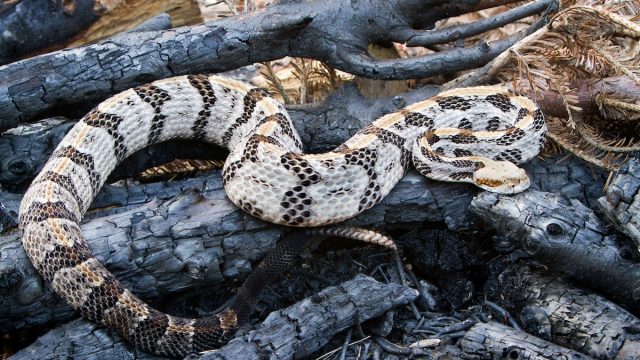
point(555, 311)
point(493, 340)
point(453, 33)
point(587, 94)
point(296, 331)
point(334, 31)
point(29, 25)
point(621, 203)
point(566, 236)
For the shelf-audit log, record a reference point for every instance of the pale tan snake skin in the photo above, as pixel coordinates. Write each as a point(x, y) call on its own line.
point(450, 137)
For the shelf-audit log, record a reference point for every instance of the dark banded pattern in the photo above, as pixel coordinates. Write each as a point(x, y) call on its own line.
point(203, 86)
point(156, 97)
point(249, 104)
point(83, 160)
point(109, 123)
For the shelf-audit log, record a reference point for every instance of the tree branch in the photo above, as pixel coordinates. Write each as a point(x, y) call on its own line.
point(547, 307)
point(566, 236)
point(333, 31)
point(427, 38)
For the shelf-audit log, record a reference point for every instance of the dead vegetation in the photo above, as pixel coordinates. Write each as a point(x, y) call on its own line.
point(587, 55)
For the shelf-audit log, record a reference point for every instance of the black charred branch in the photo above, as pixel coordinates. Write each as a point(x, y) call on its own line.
point(493, 340)
point(334, 31)
point(28, 25)
point(566, 236)
point(555, 311)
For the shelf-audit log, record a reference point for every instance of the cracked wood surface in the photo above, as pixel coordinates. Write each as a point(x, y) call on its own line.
point(566, 236)
point(191, 234)
point(575, 318)
point(493, 340)
point(621, 203)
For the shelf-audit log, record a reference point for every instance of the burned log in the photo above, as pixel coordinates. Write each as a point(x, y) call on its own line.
point(296, 331)
point(566, 236)
point(493, 340)
point(29, 25)
point(621, 203)
point(556, 311)
point(332, 31)
point(189, 238)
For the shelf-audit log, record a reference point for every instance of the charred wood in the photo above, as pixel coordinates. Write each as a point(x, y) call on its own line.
point(574, 318)
point(566, 236)
point(29, 25)
point(332, 31)
point(493, 340)
point(621, 203)
point(188, 238)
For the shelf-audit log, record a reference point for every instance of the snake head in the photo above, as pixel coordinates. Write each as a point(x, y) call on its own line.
point(501, 177)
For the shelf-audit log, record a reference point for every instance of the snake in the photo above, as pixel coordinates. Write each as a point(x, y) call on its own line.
point(475, 135)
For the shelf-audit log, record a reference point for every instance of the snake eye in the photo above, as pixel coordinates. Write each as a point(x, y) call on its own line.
point(554, 229)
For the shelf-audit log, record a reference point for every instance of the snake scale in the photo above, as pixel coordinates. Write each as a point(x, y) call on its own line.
point(471, 135)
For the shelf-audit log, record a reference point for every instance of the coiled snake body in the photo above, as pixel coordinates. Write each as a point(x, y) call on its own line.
point(470, 135)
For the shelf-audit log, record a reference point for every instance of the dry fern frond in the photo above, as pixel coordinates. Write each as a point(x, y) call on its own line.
point(617, 109)
point(274, 82)
point(573, 142)
point(300, 80)
point(587, 42)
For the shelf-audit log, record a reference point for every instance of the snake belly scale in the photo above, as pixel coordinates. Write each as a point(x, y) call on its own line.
point(472, 135)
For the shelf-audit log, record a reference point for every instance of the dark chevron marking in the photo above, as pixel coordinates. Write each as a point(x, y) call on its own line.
point(203, 86)
point(249, 102)
point(465, 124)
point(38, 212)
point(418, 120)
point(296, 202)
point(82, 159)
point(454, 103)
point(512, 135)
point(538, 120)
point(389, 137)
point(513, 155)
point(521, 114)
point(109, 123)
point(155, 97)
point(285, 126)
point(462, 152)
point(500, 101)
point(464, 137)
point(54, 261)
point(463, 175)
point(65, 182)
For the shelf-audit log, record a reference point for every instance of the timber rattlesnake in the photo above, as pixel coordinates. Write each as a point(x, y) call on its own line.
point(449, 137)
